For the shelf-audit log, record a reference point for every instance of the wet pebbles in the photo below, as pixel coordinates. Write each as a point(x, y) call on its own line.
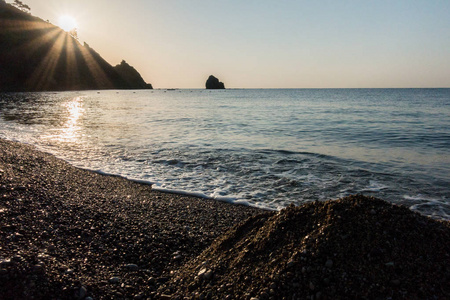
point(67, 233)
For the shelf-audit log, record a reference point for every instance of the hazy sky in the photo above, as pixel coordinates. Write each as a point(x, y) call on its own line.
point(268, 44)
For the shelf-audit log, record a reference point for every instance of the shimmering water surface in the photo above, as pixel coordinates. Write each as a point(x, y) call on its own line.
point(267, 148)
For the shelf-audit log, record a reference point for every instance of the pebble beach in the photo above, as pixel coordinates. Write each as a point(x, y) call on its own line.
point(68, 233)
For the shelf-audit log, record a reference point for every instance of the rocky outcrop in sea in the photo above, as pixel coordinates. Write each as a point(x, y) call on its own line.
point(214, 84)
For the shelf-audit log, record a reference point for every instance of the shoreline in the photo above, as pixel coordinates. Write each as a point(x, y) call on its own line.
point(79, 228)
point(70, 233)
point(308, 166)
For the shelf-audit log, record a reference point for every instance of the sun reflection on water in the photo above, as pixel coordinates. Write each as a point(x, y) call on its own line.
point(73, 111)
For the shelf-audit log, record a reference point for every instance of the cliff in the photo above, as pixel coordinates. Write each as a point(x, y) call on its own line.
point(131, 76)
point(38, 56)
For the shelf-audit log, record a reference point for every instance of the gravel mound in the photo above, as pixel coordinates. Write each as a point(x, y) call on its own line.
point(352, 248)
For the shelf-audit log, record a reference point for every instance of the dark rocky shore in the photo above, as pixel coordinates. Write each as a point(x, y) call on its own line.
point(67, 233)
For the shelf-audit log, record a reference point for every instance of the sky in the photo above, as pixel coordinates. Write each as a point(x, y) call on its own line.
point(268, 44)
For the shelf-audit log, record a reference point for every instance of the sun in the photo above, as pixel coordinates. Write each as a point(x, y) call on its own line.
point(67, 23)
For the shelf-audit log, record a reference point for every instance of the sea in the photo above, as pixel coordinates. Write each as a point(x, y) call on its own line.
point(266, 148)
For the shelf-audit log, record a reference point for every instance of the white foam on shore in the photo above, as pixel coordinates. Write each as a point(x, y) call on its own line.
point(433, 207)
point(374, 187)
point(25, 139)
point(180, 192)
point(230, 200)
point(201, 195)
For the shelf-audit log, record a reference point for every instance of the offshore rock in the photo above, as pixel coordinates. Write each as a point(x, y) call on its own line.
point(214, 84)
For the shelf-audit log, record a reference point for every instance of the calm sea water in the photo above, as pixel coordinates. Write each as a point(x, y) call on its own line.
point(266, 148)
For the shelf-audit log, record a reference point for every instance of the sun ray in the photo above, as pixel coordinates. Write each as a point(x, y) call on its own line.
point(42, 78)
point(33, 45)
point(15, 25)
point(98, 74)
point(52, 59)
point(72, 73)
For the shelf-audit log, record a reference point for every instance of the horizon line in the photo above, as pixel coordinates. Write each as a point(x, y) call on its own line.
point(294, 88)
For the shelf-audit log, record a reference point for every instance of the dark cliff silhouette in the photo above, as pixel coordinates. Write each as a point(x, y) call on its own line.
point(214, 84)
point(38, 56)
point(131, 76)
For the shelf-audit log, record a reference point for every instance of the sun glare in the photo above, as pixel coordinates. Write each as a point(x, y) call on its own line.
point(67, 23)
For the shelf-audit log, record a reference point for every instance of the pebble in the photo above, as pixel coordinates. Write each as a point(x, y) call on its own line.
point(17, 258)
point(390, 264)
point(178, 257)
point(132, 267)
point(68, 272)
point(396, 282)
point(209, 274)
point(264, 296)
point(329, 263)
point(163, 279)
point(114, 280)
point(38, 268)
point(290, 264)
point(5, 263)
point(82, 292)
point(201, 272)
